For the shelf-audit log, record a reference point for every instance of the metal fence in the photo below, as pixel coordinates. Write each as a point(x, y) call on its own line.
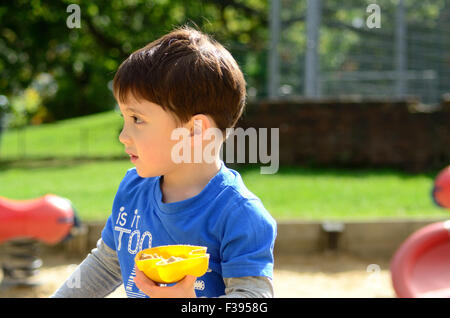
point(368, 48)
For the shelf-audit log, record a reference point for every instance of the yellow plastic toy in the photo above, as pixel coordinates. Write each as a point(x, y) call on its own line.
point(171, 263)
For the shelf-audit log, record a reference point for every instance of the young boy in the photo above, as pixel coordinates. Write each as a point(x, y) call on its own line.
point(184, 80)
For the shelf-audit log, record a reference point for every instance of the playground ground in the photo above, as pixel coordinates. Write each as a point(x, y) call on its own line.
point(305, 276)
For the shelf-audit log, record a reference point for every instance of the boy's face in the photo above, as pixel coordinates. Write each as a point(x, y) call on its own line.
point(146, 134)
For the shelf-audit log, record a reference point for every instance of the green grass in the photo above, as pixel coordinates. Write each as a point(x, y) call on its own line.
point(88, 136)
point(292, 193)
point(319, 194)
point(90, 186)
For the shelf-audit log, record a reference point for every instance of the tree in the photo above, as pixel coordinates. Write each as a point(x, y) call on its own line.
point(82, 61)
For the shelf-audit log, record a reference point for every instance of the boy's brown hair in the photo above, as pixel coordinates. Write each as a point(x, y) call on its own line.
point(186, 72)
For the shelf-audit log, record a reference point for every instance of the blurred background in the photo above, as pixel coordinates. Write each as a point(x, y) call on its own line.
point(47, 55)
point(359, 90)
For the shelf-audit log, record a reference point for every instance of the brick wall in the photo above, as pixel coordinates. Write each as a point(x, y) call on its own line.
point(402, 134)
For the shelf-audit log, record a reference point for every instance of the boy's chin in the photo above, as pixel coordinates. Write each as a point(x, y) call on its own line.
point(147, 174)
point(143, 174)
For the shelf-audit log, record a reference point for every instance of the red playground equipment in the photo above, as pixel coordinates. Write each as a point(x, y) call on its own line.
point(421, 265)
point(23, 224)
point(441, 189)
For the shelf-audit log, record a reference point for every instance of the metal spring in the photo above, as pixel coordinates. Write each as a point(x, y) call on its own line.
point(20, 262)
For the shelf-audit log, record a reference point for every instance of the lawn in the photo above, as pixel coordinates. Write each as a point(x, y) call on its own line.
point(292, 193)
point(318, 194)
point(89, 136)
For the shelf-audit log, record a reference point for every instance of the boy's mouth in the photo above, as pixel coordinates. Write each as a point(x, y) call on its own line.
point(132, 156)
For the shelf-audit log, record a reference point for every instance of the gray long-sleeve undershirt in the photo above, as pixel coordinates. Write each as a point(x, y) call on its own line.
point(99, 275)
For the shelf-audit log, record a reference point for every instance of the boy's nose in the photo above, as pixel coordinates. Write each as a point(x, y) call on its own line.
point(123, 137)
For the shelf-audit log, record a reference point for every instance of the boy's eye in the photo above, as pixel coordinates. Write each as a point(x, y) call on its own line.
point(135, 120)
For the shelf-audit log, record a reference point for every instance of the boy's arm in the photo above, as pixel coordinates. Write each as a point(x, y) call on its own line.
point(247, 250)
point(248, 287)
point(96, 277)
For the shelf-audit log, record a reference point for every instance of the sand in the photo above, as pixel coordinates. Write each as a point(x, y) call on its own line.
point(319, 276)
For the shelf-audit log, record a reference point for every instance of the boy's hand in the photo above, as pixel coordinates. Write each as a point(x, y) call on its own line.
point(183, 289)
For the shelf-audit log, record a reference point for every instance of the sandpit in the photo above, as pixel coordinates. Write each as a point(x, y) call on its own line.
point(303, 276)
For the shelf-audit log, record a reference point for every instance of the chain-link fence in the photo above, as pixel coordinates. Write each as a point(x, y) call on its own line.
point(367, 48)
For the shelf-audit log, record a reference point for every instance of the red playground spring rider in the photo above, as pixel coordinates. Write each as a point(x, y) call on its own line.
point(421, 265)
point(24, 224)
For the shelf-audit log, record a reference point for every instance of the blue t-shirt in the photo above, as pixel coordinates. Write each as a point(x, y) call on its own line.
point(225, 216)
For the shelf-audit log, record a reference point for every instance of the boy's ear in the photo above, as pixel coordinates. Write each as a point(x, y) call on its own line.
point(198, 127)
point(198, 124)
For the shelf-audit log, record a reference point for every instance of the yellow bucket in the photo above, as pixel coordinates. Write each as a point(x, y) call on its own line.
point(195, 262)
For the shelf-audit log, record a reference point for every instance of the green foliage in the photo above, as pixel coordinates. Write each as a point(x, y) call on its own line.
point(23, 106)
point(35, 39)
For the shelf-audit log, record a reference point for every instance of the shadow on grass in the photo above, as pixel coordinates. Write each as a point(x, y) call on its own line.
point(60, 162)
point(305, 170)
point(338, 171)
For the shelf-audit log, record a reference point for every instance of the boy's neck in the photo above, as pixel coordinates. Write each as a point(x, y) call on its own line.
point(187, 181)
